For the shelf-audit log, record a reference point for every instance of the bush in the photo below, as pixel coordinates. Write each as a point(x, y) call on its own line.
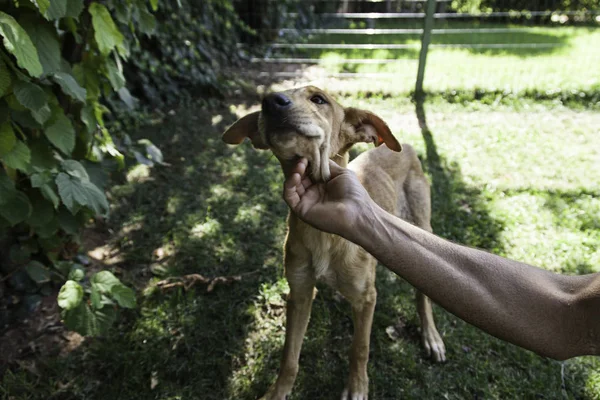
point(194, 43)
point(58, 61)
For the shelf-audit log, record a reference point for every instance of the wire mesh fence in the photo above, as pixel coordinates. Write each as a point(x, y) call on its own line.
point(495, 45)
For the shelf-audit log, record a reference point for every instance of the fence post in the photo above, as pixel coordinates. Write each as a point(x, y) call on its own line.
point(425, 39)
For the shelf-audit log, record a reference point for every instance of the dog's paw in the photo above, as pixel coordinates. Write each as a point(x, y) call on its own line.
point(433, 345)
point(347, 395)
point(357, 389)
point(276, 393)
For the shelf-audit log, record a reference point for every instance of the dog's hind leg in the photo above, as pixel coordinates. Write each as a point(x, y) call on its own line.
point(430, 338)
point(419, 200)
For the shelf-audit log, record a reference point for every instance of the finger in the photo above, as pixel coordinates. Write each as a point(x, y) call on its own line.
point(300, 167)
point(306, 183)
point(335, 169)
point(290, 190)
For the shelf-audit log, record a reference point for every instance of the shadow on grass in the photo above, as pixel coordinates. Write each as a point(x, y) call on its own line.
point(217, 210)
point(459, 212)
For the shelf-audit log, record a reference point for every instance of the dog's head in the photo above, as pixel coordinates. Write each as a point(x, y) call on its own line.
point(307, 122)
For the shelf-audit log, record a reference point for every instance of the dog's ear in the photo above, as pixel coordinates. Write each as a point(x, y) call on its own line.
point(245, 127)
point(373, 128)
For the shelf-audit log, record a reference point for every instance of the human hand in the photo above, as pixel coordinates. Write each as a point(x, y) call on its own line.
point(334, 206)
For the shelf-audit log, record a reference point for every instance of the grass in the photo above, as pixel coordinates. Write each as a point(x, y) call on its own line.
point(567, 67)
point(520, 182)
point(510, 140)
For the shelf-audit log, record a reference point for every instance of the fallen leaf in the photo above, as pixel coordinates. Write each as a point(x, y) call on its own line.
point(153, 380)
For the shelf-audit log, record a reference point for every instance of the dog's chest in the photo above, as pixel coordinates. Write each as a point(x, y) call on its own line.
point(330, 255)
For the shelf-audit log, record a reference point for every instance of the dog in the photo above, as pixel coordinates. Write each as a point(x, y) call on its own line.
point(307, 122)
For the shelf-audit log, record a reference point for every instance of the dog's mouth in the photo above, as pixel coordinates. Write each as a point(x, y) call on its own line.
point(290, 141)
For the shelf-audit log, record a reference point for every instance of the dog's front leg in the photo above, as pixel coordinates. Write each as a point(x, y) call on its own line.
point(362, 315)
point(299, 303)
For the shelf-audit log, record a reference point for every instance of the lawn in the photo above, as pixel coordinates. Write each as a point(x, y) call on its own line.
point(520, 181)
point(514, 173)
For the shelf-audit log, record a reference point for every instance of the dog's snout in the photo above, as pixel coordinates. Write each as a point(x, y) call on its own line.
point(276, 102)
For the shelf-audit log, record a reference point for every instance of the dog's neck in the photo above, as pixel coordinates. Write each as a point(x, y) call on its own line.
point(340, 157)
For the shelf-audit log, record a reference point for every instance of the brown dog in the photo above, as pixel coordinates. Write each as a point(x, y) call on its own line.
point(306, 122)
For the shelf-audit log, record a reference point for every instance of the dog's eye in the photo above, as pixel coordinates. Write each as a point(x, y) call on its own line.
point(318, 99)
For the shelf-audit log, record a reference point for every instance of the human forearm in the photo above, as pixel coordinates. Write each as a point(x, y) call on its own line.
point(554, 315)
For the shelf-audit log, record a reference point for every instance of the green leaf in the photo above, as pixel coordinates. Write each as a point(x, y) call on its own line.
point(87, 77)
point(42, 5)
point(104, 318)
point(77, 273)
point(68, 222)
point(50, 194)
point(152, 152)
point(30, 95)
point(13, 103)
point(74, 168)
point(37, 272)
point(18, 43)
point(20, 254)
point(74, 8)
point(45, 39)
point(18, 157)
point(63, 267)
point(69, 85)
point(146, 22)
point(8, 140)
point(104, 281)
point(88, 117)
point(41, 179)
point(114, 75)
point(154, 5)
point(122, 12)
point(60, 132)
point(57, 9)
point(71, 191)
point(49, 229)
point(106, 33)
point(5, 79)
point(7, 189)
point(70, 295)
point(42, 155)
point(123, 295)
point(74, 191)
point(96, 298)
point(96, 199)
point(42, 212)
point(127, 98)
point(16, 208)
point(42, 115)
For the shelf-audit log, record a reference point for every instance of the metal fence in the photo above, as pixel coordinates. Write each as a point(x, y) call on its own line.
point(392, 39)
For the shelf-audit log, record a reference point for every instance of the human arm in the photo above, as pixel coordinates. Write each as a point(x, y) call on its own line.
point(554, 315)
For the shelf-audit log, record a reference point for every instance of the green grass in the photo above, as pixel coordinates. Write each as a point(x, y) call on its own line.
point(510, 140)
point(520, 181)
point(570, 66)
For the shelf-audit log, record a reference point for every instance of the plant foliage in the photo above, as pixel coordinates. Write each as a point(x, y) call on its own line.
point(59, 61)
point(192, 45)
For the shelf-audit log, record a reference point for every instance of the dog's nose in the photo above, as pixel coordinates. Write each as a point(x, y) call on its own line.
point(276, 102)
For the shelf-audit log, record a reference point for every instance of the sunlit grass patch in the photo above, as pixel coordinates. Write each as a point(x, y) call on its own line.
point(560, 61)
point(516, 179)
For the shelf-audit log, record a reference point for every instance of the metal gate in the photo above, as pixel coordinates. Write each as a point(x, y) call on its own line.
point(343, 37)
